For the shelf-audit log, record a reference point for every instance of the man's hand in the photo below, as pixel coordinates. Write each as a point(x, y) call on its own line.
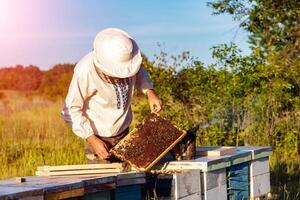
point(99, 147)
point(154, 101)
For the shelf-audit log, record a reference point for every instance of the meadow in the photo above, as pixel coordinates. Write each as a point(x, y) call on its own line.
point(32, 133)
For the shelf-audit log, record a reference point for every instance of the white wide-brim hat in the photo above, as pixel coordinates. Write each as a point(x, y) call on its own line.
point(116, 54)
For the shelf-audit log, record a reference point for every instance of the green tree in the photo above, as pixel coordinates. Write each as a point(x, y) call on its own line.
point(274, 26)
point(268, 111)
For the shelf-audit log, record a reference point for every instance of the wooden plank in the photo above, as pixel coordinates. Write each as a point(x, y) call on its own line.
point(99, 180)
point(213, 184)
point(132, 192)
point(17, 192)
point(217, 151)
point(187, 183)
point(205, 164)
point(126, 175)
point(76, 172)
point(65, 194)
point(214, 179)
point(131, 181)
point(37, 187)
point(238, 181)
point(41, 197)
point(259, 166)
point(44, 185)
point(218, 193)
point(80, 167)
point(260, 185)
point(99, 188)
point(177, 166)
point(36, 181)
point(61, 188)
point(131, 178)
point(195, 196)
point(257, 151)
point(240, 157)
point(104, 195)
point(99, 184)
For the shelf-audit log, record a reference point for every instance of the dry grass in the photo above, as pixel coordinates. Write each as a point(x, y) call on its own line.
point(32, 133)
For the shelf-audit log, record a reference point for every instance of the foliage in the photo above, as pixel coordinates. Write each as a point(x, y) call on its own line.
point(248, 103)
point(266, 90)
point(52, 83)
point(20, 78)
point(274, 26)
point(56, 81)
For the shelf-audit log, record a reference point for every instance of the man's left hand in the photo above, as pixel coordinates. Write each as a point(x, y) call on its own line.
point(154, 101)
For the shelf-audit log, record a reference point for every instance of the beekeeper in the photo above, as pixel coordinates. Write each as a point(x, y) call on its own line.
point(97, 106)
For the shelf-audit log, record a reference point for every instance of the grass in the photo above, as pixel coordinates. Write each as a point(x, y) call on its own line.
point(32, 133)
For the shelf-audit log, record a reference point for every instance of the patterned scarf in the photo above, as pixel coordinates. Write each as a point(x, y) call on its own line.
point(121, 86)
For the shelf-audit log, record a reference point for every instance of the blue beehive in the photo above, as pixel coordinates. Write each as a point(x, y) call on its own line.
point(238, 181)
point(128, 192)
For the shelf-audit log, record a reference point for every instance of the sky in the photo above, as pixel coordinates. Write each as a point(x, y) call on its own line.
point(48, 32)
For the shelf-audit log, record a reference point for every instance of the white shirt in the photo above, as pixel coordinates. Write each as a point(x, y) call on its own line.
point(93, 106)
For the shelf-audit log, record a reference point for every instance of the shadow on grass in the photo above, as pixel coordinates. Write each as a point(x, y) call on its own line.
point(285, 180)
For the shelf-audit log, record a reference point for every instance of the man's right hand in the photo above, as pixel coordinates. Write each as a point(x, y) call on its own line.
point(99, 147)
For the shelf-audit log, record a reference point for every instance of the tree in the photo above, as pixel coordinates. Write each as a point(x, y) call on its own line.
point(274, 26)
point(20, 78)
point(56, 81)
point(268, 112)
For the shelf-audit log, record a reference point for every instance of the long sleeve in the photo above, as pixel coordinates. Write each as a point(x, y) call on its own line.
point(143, 82)
point(80, 89)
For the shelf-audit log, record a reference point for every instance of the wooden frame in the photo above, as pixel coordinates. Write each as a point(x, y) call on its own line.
point(79, 169)
point(127, 137)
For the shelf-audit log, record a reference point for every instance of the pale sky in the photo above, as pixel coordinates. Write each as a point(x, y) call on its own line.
point(48, 32)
